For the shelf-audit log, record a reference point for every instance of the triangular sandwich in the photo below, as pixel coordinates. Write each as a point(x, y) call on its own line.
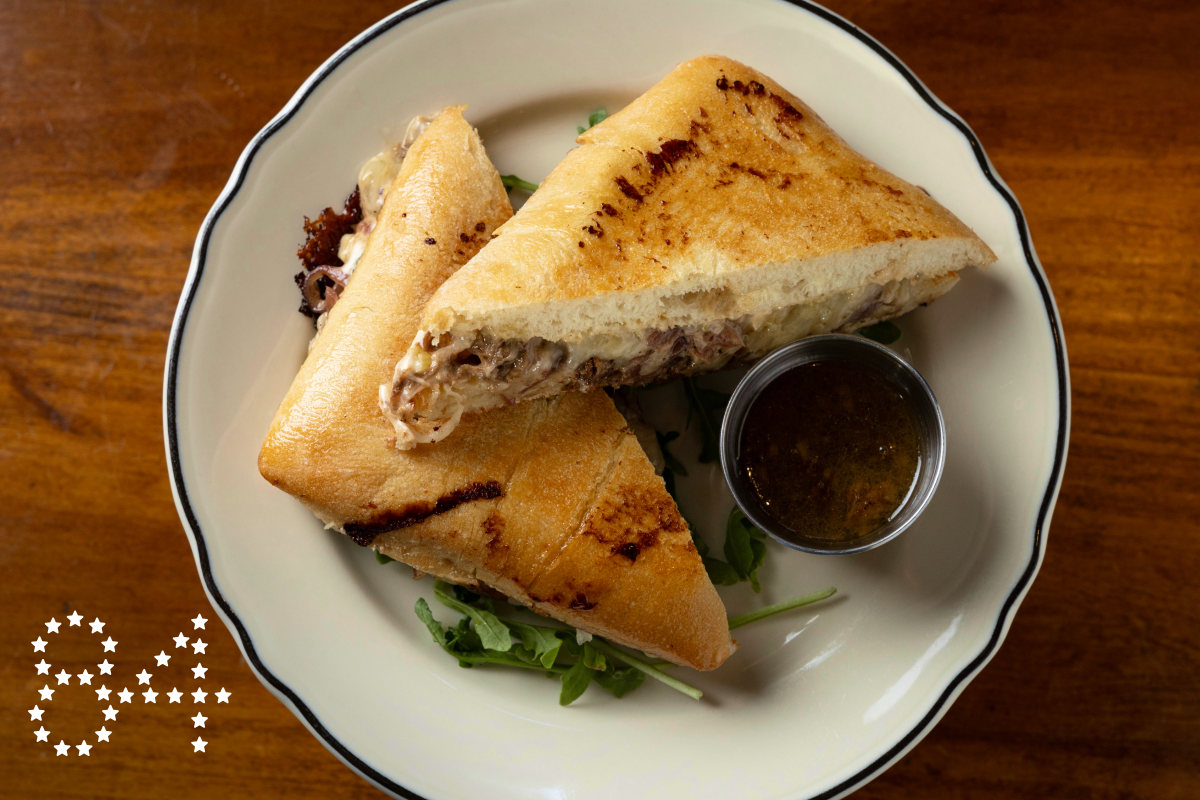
point(711, 221)
point(552, 503)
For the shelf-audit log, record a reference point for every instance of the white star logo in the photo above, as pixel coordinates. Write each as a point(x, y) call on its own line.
point(199, 745)
point(109, 645)
point(103, 692)
point(180, 640)
point(39, 646)
point(198, 622)
point(162, 658)
point(52, 625)
point(198, 646)
point(46, 692)
point(43, 668)
point(84, 749)
point(125, 695)
point(105, 668)
point(144, 677)
point(174, 694)
point(223, 696)
point(63, 677)
point(199, 720)
point(150, 696)
point(62, 748)
point(97, 625)
point(85, 678)
point(198, 696)
point(35, 713)
point(75, 618)
point(103, 734)
point(41, 734)
point(110, 713)
point(198, 671)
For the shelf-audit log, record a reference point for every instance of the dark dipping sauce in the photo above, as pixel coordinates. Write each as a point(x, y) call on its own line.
point(832, 450)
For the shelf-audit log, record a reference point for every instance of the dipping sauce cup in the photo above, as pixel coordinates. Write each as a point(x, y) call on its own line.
point(876, 365)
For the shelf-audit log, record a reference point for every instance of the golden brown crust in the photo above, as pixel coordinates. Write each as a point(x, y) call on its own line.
point(715, 170)
point(512, 499)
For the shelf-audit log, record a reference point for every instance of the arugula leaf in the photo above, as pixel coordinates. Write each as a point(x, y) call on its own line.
point(760, 554)
point(737, 546)
point(435, 627)
point(620, 682)
point(493, 633)
point(648, 668)
point(592, 658)
point(465, 595)
point(594, 119)
point(513, 182)
point(744, 547)
point(786, 605)
point(883, 332)
point(382, 559)
point(708, 406)
point(541, 649)
point(464, 644)
point(720, 573)
point(673, 463)
point(574, 683)
point(542, 643)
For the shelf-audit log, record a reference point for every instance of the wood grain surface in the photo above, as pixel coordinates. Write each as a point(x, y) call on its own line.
point(119, 124)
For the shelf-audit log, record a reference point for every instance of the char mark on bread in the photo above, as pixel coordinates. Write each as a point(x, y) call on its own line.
point(363, 533)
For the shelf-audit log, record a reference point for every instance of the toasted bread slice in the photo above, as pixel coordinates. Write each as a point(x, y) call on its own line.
point(552, 503)
point(713, 220)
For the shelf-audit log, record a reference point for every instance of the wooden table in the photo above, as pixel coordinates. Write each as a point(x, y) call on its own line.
point(120, 124)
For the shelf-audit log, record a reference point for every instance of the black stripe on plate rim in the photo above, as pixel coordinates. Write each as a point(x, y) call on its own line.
point(197, 269)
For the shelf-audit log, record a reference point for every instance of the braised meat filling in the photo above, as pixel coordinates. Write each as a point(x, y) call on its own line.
point(439, 379)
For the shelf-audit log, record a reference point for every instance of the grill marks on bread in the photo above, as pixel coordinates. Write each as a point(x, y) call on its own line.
point(751, 152)
point(363, 533)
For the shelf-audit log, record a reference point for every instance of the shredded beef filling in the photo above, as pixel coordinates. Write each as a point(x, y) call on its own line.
point(440, 379)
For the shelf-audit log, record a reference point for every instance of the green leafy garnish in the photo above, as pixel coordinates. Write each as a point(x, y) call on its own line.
point(708, 408)
point(493, 634)
point(542, 643)
point(594, 119)
point(646, 667)
point(513, 182)
point(777, 608)
point(883, 332)
point(462, 643)
point(382, 559)
point(620, 682)
point(574, 683)
point(719, 572)
point(744, 547)
point(593, 658)
point(555, 651)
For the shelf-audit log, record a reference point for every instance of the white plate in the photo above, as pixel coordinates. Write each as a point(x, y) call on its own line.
point(817, 702)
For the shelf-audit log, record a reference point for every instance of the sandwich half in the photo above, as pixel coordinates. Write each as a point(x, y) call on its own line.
point(711, 221)
point(552, 503)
